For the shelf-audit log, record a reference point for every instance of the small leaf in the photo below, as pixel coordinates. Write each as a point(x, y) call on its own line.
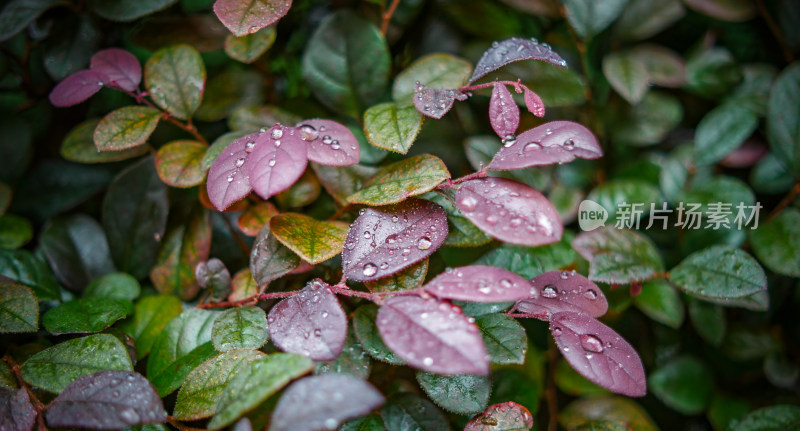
point(508, 416)
point(178, 163)
point(228, 177)
point(175, 78)
point(256, 217)
point(313, 240)
point(627, 75)
point(435, 102)
point(437, 70)
point(16, 411)
point(661, 302)
point(311, 323)
point(503, 112)
point(23, 267)
point(588, 18)
point(243, 17)
point(78, 87)
point(479, 283)
point(150, 315)
point(84, 315)
point(123, 10)
point(15, 231)
point(115, 285)
point(78, 146)
point(432, 336)
point(618, 256)
point(127, 127)
point(723, 130)
point(336, 398)
point(511, 50)
point(534, 103)
point(598, 353)
point(329, 143)
point(684, 384)
point(392, 126)
point(214, 276)
point(367, 333)
point(240, 328)
point(411, 231)
point(783, 118)
point(773, 418)
point(463, 394)
point(19, 308)
point(709, 321)
point(18, 14)
point(107, 400)
point(406, 410)
point(548, 144)
point(277, 161)
point(505, 339)
point(243, 285)
point(121, 67)
point(341, 182)
point(250, 47)
point(725, 10)
point(664, 67)
point(270, 259)
point(409, 278)
point(400, 180)
point(530, 219)
point(719, 272)
point(616, 409)
point(183, 248)
point(777, 243)
point(557, 291)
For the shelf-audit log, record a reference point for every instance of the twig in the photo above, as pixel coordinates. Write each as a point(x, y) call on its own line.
point(37, 405)
point(250, 299)
point(786, 201)
point(178, 424)
point(387, 16)
point(776, 31)
point(450, 183)
point(518, 85)
point(188, 127)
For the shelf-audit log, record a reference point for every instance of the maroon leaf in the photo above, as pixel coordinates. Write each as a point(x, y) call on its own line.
point(479, 283)
point(335, 398)
point(432, 335)
point(277, 161)
point(598, 353)
point(534, 103)
point(329, 143)
point(107, 400)
point(77, 87)
point(435, 102)
point(504, 416)
point(228, 178)
point(311, 323)
point(557, 291)
point(553, 142)
point(750, 152)
point(511, 50)
point(503, 112)
point(384, 240)
point(243, 17)
point(509, 211)
point(122, 68)
point(16, 411)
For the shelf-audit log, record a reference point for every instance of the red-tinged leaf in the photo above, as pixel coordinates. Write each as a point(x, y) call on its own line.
point(432, 335)
point(335, 398)
point(249, 16)
point(503, 112)
point(329, 143)
point(511, 50)
point(121, 67)
point(534, 103)
point(311, 323)
point(228, 178)
point(509, 211)
point(16, 411)
point(277, 161)
point(748, 154)
point(178, 163)
point(255, 217)
point(598, 353)
point(78, 87)
point(382, 241)
point(508, 416)
point(107, 400)
point(557, 291)
point(479, 283)
point(434, 102)
point(550, 143)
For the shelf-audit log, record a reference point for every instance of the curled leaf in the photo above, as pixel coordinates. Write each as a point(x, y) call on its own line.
point(121, 67)
point(329, 143)
point(557, 291)
point(78, 87)
point(479, 283)
point(278, 160)
point(511, 50)
point(550, 143)
point(435, 103)
point(503, 112)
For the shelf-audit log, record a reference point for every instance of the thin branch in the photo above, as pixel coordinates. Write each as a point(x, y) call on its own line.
point(450, 183)
point(250, 299)
point(387, 16)
point(188, 127)
point(776, 31)
point(786, 201)
point(516, 84)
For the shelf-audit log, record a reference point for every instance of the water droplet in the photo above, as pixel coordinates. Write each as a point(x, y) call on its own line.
point(556, 331)
point(590, 294)
point(384, 265)
point(491, 219)
point(564, 275)
point(428, 361)
point(308, 132)
point(394, 219)
point(569, 145)
point(331, 423)
point(335, 145)
point(495, 44)
point(277, 133)
point(515, 222)
point(590, 343)
point(549, 291)
point(239, 162)
point(115, 394)
point(272, 162)
point(533, 146)
point(248, 147)
point(277, 143)
point(327, 140)
point(509, 140)
point(262, 130)
point(230, 178)
point(505, 283)
point(324, 314)
point(370, 269)
point(317, 333)
point(468, 204)
point(129, 415)
point(424, 243)
point(367, 235)
point(485, 289)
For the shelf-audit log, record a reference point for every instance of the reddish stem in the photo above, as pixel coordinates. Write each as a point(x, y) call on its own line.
point(188, 127)
point(785, 202)
point(518, 86)
point(251, 299)
point(450, 183)
point(526, 315)
point(387, 16)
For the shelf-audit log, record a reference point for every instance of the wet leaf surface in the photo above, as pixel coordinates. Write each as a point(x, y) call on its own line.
point(78, 146)
point(228, 177)
point(19, 308)
point(557, 291)
point(277, 161)
point(78, 87)
point(407, 410)
point(269, 259)
point(534, 103)
point(392, 126)
point(462, 394)
point(618, 256)
point(243, 17)
point(240, 328)
point(353, 360)
point(719, 272)
point(84, 315)
point(511, 50)
point(16, 411)
point(436, 70)
point(435, 102)
point(508, 416)
point(548, 144)
point(503, 112)
point(175, 77)
point(329, 143)
point(126, 127)
point(150, 315)
point(366, 330)
point(400, 180)
point(121, 67)
point(505, 339)
point(479, 283)
point(313, 240)
point(249, 48)
point(409, 278)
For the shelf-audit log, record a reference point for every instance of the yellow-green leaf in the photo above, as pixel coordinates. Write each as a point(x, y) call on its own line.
point(398, 181)
point(175, 78)
point(313, 240)
point(126, 128)
point(392, 126)
point(78, 146)
point(179, 163)
point(248, 48)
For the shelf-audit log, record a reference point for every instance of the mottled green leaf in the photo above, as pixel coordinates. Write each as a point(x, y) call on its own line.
point(776, 243)
point(248, 48)
point(178, 163)
point(15, 231)
point(684, 384)
point(248, 16)
point(588, 17)
point(712, 72)
point(515, 258)
point(505, 339)
point(313, 240)
point(408, 278)
point(392, 126)
point(367, 333)
point(618, 256)
point(243, 285)
point(123, 10)
point(353, 360)
point(342, 181)
point(78, 146)
point(183, 248)
point(256, 217)
point(719, 272)
point(461, 394)
point(24, 268)
point(270, 259)
point(84, 315)
point(783, 118)
point(407, 411)
point(771, 175)
point(627, 75)
point(400, 180)
point(175, 78)
point(19, 308)
point(126, 127)
point(150, 315)
point(616, 409)
point(661, 302)
point(116, 285)
point(240, 328)
point(774, 418)
point(723, 130)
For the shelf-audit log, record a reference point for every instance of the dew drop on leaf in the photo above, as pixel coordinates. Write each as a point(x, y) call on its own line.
point(424, 243)
point(308, 132)
point(276, 133)
point(549, 292)
point(370, 269)
point(590, 343)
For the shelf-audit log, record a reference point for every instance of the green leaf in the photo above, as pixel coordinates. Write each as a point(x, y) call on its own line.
point(15, 231)
point(644, 18)
point(78, 146)
point(770, 175)
point(270, 259)
point(461, 394)
point(407, 411)
point(313, 240)
point(515, 258)
point(249, 48)
point(24, 268)
point(251, 118)
point(175, 78)
point(150, 315)
point(437, 70)
point(408, 278)
point(303, 192)
point(709, 321)
point(461, 232)
point(255, 382)
point(179, 163)
point(70, 46)
point(400, 180)
point(661, 302)
point(602, 426)
point(649, 122)
point(84, 315)
point(571, 382)
point(77, 249)
point(627, 75)
point(243, 285)
point(615, 409)
point(712, 73)
point(54, 368)
point(116, 285)
point(126, 127)
point(684, 384)
point(200, 394)
point(240, 328)
point(750, 344)
point(227, 91)
point(783, 118)
point(724, 411)
point(123, 10)
point(372, 422)
point(19, 308)
point(524, 388)
point(17, 14)
point(392, 126)
point(342, 181)
point(774, 418)
point(719, 272)
point(619, 256)
point(505, 339)
point(353, 360)
point(7, 379)
point(723, 130)
point(346, 63)
point(612, 194)
point(777, 243)
point(367, 333)
point(725, 10)
point(589, 18)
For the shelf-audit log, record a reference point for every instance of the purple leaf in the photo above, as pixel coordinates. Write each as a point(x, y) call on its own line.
point(435, 103)
point(504, 416)
point(750, 152)
point(432, 335)
point(479, 283)
point(329, 143)
point(122, 68)
point(534, 103)
point(557, 291)
point(77, 87)
point(16, 411)
point(277, 161)
point(228, 178)
point(243, 17)
point(598, 353)
point(335, 398)
point(311, 323)
point(384, 240)
point(509, 211)
point(511, 50)
point(107, 400)
point(503, 112)
point(550, 143)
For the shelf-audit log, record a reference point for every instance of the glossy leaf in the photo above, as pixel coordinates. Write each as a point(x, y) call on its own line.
point(78, 146)
point(588, 18)
point(505, 339)
point(240, 328)
point(121, 10)
point(115, 285)
point(228, 177)
point(503, 112)
point(661, 302)
point(409, 278)
point(461, 231)
point(719, 272)
point(23, 267)
point(776, 243)
point(311, 323)
point(783, 118)
point(78, 87)
point(511, 50)
point(723, 130)
point(250, 47)
point(479, 283)
point(54, 368)
point(84, 315)
point(121, 67)
point(400, 180)
point(617, 409)
point(598, 353)
point(107, 400)
point(127, 127)
point(433, 336)
point(183, 248)
point(436, 70)
point(150, 315)
point(353, 360)
point(392, 126)
point(366, 330)
point(435, 102)
point(178, 163)
point(618, 256)
point(77, 249)
point(773, 418)
point(462, 394)
point(329, 143)
point(336, 398)
point(277, 161)
point(643, 18)
point(383, 241)
point(685, 384)
point(548, 144)
point(557, 291)
point(509, 211)
point(313, 240)
point(175, 77)
point(627, 75)
point(508, 416)
point(16, 411)
point(19, 308)
point(534, 103)
point(407, 410)
point(243, 17)
point(269, 259)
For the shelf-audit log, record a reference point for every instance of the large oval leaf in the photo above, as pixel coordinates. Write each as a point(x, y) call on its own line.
point(684, 384)
point(503, 112)
point(77, 249)
point(329, 143)
point(178, 163)
point(121, 67)
point(243, 17)
point(176, 77)
point(436, 70)
point(479, 283)
point(509, 211)
point(511, 50)
point(432, 335)
point(557, 291)
point(313, 240)
point(550, 143)
point(719, 272)
point(383, 241)
point(78, 146)
point(228, 177)
point(627, 75)
point(249, 48)
point(150, 315)
point(19, 308)
point(278, 160)
point(392, 126)
point(84, 315)
point(240, 328)
point(127, 127)
point(618, 256)
point(400, 180)
point(78, 87)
